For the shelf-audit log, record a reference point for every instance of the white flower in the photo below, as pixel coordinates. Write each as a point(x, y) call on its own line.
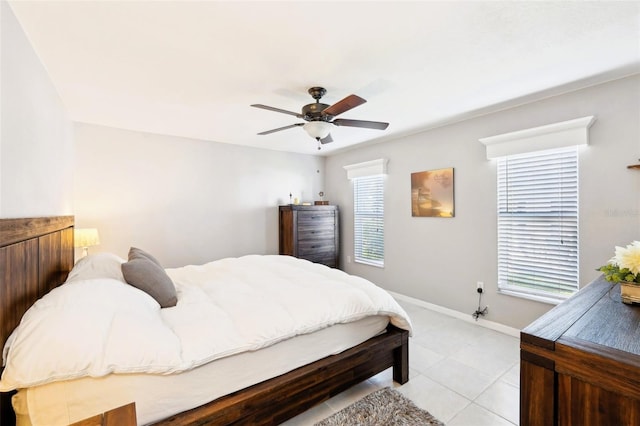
point(628, 257)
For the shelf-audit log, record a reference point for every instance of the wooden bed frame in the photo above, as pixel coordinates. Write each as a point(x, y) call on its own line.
point(36, 255)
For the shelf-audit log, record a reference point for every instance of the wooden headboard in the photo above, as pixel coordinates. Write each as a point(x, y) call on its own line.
point(36, 255)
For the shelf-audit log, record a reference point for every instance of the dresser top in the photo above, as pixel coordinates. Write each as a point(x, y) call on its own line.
point(310, 207)
point(594, 317)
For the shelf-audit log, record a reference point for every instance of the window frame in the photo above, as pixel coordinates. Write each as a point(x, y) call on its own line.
point(373, 215)
point(365, 169)
point(538, 224)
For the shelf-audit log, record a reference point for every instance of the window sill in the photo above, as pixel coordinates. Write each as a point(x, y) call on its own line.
point(364, 262)
point(535, 297)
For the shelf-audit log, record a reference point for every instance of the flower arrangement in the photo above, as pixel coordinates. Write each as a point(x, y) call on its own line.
point(625, 265)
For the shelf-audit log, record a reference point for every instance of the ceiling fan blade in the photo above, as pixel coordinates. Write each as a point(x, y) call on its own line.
point(344, 105)
point(284, 111)
point(281, 128)
point(327, 139)
point(361, 123)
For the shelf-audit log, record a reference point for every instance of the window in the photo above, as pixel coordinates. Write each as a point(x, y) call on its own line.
point(368, 213)
point(368, 210)
point(538, 223)
point(538, 208)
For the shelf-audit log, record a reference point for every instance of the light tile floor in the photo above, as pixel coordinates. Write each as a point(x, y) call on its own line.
point(462, 373)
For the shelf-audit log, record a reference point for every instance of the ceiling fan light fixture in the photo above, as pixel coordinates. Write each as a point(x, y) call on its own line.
point(317, 129)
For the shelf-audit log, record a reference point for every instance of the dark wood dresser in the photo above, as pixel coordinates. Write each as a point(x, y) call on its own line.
point(310, 232)
point(580, 362)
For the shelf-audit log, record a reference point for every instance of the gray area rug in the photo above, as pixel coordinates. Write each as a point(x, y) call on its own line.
point(384, 407)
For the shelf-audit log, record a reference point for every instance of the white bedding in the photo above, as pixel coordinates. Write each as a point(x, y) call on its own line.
point(99, 326)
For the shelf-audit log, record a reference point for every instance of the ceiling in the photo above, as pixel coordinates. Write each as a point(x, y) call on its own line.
point(193, 69)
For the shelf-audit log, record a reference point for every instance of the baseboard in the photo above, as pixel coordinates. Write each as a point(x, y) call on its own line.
point(460, 315)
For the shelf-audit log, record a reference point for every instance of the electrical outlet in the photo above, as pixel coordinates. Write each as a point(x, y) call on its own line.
point(480, 285)
point(348, 259)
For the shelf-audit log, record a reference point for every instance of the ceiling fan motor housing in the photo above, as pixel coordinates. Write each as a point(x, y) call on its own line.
point(313, 112)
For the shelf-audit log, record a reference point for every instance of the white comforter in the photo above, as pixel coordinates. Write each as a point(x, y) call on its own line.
point(99, 326)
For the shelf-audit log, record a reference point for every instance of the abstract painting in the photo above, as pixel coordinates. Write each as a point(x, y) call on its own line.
point(432, 193)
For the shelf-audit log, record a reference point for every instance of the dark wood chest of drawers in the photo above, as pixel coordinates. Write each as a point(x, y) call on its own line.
point(310, 232)
point(580, 362)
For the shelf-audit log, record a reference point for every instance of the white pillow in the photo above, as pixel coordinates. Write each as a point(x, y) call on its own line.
point(99, 265)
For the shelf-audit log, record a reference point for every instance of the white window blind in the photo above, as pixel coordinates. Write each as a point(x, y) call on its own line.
point(368, 196)
point(538, 224)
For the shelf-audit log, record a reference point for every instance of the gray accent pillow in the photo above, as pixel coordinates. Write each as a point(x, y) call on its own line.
point(149, 277)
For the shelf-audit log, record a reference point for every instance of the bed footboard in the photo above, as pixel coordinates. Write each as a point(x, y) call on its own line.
point(278, 399)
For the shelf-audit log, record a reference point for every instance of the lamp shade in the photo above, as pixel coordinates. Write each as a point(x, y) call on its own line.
point(85, 237)
point(317, 129)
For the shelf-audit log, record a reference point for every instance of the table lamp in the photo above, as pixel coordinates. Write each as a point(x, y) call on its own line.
point(85, 238)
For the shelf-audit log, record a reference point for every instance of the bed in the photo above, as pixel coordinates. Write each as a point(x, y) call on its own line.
point(36, 255)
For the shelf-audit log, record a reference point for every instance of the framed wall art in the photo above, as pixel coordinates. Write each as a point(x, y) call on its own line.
point(432, 193)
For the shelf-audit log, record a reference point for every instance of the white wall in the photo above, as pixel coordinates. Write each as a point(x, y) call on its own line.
point(185, 200)
point(440, 260)
point(36, 137)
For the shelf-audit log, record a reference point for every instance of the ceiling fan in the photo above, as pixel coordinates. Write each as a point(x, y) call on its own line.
point(320, 117)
